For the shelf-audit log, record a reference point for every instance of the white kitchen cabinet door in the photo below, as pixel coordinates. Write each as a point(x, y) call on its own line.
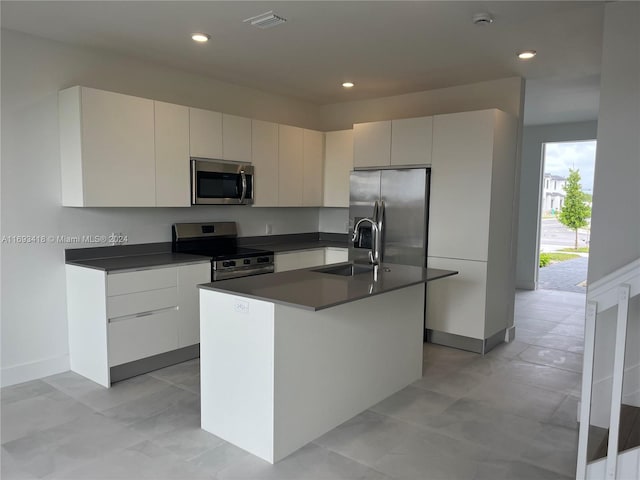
point(106, 148)
point(205, 133)
point(173, 185)
point(338, 163)
point(120, 283)
point(460, 197)
point(313, 169)
point(285, 261)
point(189, 277)
point(336, 255)
point(139, 337)
point(457, 304)
point(236, 138)
point(290, 166)
point(411, 140)
point(372, 144)
point(264, 157)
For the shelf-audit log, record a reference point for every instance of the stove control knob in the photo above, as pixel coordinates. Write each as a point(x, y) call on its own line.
point(247, 261)
point(229, 264)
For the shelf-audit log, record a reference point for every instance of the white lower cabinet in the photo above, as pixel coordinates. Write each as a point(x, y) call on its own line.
point(309, 258)
point(336, 255)
point(141, 336)
point(117, 318)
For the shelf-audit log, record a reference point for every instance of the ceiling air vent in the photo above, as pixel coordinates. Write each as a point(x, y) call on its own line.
point(265, 20)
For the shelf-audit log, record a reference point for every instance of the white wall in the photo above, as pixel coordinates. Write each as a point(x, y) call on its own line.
point(333, 220)
point(615, 224)
point(34, 325)
point(531, 175)
point(505, 94)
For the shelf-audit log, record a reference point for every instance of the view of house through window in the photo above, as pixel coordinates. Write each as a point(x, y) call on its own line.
point(567, 187)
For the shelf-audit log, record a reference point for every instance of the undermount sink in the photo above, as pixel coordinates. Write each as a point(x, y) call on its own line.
point(345, 270)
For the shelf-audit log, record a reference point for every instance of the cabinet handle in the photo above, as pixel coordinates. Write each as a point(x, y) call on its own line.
point(141, 314)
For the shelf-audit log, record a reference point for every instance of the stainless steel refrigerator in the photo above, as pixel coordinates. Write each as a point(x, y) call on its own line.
point(405, 195)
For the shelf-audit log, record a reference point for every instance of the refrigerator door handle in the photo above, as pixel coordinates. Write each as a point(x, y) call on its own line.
point(380, 222)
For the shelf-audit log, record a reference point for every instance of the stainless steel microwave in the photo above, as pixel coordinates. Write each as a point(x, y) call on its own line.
point(216, 182)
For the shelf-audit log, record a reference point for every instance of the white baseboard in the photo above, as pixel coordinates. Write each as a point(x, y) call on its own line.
point(510, 334)
point(34, 370)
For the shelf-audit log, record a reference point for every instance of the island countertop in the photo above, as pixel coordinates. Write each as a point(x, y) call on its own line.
point(310, 289)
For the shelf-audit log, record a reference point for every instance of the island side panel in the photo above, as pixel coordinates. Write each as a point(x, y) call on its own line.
point(236, 370)
point(335, 363)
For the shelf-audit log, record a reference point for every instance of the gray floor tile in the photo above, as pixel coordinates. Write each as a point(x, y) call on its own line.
point(218, 458)
point(122, 392)
point(554, 447)
point(311, 462)
point(515, 470)
point(188, 442)
point(414, 405)
point(432, 456)
point(11, 470)
point(184, 415)
point(554, 358)
point(55, 450)
point(485, 426)
point(527, 336)
point(535, 325)
point(368, 436)
point(24, 391)
point(24, 417)
point(519, 399)
point(561, 342)
point(543, 376)
point(569, 330)
point(179, 373)
point(509, 350)
point(154, 403)
point(566, 414)
point(74, 385)
point(141, 461)
point(454, 386)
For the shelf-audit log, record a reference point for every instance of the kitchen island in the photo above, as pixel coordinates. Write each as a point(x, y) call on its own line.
point(286, 357)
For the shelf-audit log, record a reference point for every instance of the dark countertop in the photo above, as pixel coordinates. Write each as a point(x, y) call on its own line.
point(312, 290)
point(301, 245)
point(136, 262)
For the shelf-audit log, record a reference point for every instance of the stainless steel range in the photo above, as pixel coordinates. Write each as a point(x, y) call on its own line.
point(219, 240)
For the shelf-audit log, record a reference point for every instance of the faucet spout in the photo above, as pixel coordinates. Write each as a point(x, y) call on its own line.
point(374, 254)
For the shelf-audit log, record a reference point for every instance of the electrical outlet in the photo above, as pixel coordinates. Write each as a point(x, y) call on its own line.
point(268, 229)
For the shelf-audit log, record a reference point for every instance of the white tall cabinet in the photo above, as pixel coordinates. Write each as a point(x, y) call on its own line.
point(470, 224)
point(290, 165)
point(312, 156)
point(171, 127)
point(205, 133)
point(264, 157)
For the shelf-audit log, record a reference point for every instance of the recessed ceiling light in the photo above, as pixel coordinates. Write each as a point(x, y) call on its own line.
point(200, 37)
point(526, 54)
point(348, 84)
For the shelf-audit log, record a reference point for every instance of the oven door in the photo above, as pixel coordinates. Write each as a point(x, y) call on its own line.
point(241, 272)
point(221, 183)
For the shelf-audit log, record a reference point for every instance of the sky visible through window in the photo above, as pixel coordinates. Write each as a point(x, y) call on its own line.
point(560, 157)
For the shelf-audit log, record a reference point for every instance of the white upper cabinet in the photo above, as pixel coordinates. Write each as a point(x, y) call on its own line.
point(313, 171)
point(460, 194)
point(290, 166)
point(404, 142)
point(236, 138)
point(411, 140)
point(205, 133)
point(106, 148)
point(372, 144)
point(264, 157)
point(172, 155)
point(338, 163)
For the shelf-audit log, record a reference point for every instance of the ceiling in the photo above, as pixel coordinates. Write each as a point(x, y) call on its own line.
point(385, 47)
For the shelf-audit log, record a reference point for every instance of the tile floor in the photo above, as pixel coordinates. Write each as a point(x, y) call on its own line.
point(508, 415)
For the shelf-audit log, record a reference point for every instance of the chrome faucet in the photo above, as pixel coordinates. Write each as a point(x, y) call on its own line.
point(375, 254)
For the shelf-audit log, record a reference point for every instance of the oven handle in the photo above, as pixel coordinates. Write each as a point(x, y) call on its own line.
point(244, 186)
point(241, 272)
